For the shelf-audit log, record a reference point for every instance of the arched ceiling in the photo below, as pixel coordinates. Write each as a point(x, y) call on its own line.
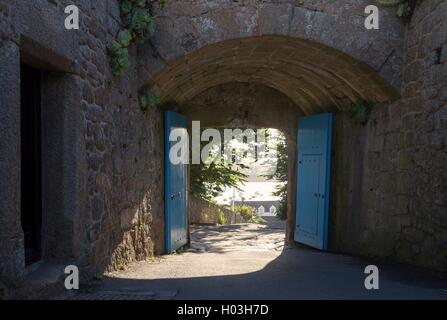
point(316, 77)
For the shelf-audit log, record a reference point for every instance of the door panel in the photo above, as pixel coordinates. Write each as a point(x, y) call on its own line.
point(308, 172)
point(313, 179)
point(176, 179)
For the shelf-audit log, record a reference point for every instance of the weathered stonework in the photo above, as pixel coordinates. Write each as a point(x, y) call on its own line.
point(186, 26)
point(320, 55)
point(376, 208)
point(203, 212)
point(262, 63)
point(397, 208)
point(104, 165)
point(242, 104)
point(123, 152)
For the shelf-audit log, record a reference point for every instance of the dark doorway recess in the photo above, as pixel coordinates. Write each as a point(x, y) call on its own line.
point(31, 163)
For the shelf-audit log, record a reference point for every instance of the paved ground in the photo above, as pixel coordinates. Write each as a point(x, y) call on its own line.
point(250, 262)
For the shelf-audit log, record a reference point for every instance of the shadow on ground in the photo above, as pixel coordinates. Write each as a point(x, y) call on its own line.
point(251, 262)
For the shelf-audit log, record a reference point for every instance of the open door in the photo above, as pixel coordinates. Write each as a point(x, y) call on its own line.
point(176, 142)
point(313, 180)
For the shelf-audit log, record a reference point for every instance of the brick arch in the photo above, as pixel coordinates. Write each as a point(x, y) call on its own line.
point(316, 77)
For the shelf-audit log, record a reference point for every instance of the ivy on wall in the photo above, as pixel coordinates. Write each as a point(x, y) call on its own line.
point(147, 99)
point(405, 8)
point(360, 110)
point(137, 26)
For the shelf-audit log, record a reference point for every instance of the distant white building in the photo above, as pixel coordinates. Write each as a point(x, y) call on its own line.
point(260, 207)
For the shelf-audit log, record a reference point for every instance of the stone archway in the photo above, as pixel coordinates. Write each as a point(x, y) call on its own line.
point(314, 77)
point(318, 54)
point(188, 26)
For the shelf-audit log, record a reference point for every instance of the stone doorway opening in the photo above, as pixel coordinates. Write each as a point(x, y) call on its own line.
point(249, 105)
point(267, 81)
point(252, 182)
point(31, 163)
point(253, 189)
point(50, 184)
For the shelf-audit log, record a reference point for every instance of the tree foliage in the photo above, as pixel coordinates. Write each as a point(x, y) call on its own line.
point(249, 214)
point(246, 212)
point(281, 175)
point(222, 220)
point(209, 180)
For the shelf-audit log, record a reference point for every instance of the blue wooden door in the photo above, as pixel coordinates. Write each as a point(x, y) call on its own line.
point(313, 179)
point(175, 183)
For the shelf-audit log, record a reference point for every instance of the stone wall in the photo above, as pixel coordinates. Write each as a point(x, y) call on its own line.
point(124, 219)
point(388, 189)
point(390, 177)
point(186, 26)
point(242, 104)
point(103, 156)
point(207, 213)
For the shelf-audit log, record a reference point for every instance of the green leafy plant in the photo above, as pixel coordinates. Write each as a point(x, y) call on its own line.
point(222, 220)
point(249, 214)
point(405, 8)
point(147, 99)
point(138, 26)
point(281, 175)
point(258, 219)
point(119, 53)
point(360, 110)
point(246, 212)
